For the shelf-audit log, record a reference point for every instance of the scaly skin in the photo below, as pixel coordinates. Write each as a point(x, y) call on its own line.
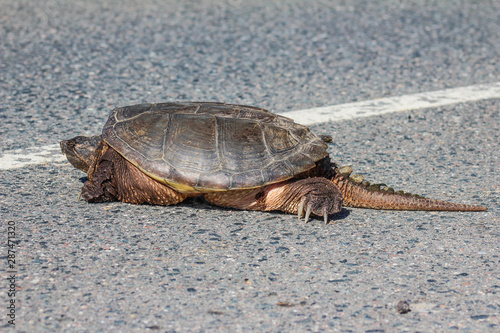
point(362, 196)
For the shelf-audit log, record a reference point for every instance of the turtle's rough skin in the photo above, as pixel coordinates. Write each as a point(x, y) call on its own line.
point(235, 156)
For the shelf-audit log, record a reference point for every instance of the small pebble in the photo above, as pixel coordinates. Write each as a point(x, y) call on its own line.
point(403, 307)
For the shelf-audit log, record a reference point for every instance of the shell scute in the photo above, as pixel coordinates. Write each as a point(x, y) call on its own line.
point(144, 135)
point(190, 143)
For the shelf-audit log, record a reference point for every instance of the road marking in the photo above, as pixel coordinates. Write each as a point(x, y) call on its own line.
point(380, 106)
point(52, 153)
point(20, 158)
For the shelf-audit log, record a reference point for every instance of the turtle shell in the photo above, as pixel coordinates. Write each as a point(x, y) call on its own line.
point(205, 147)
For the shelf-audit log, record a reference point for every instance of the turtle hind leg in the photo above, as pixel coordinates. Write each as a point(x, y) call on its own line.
point(316, 195)
point(112, 177)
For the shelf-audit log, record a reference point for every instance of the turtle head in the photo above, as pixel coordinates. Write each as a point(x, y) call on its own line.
point(80, 149)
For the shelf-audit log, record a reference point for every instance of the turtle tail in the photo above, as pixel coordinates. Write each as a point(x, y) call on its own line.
point(359, 193)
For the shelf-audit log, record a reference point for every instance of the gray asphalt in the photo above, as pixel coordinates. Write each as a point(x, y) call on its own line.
point(197, 268)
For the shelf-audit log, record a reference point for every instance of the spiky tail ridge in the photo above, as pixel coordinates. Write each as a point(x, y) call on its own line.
point(359, 193)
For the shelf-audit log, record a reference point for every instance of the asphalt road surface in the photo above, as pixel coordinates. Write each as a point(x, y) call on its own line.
point(197, 268)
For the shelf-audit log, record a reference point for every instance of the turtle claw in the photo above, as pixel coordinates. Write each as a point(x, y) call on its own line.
point(308, 212)
point(301, 210)
point(301, 207)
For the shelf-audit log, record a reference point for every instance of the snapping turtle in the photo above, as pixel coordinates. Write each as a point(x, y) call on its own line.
point(235, 156)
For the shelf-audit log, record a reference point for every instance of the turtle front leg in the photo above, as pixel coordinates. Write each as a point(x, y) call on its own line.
point(316, 195)
point(112, 177)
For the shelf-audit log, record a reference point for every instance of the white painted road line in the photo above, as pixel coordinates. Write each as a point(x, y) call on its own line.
point(380, 106)
point(51, 154)
point(20, 158)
